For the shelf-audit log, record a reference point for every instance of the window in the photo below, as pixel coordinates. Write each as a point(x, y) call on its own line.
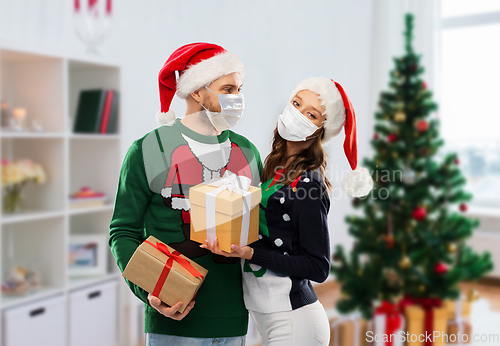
point(470, 93)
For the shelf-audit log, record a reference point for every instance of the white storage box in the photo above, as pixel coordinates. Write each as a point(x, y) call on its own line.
point(39, 323)
point(93, 315)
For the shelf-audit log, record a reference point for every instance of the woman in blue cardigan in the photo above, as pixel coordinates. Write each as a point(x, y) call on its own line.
point(294, 245)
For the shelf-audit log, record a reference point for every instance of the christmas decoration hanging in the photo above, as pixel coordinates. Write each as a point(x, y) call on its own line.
point(405, 262)
point(392, 138)
point(451, 247)
point(419, 213)
point(409, 175)
point(400, 117)
point(440, 268)
point(463, 207)
point(422, 125)
point(389, 241)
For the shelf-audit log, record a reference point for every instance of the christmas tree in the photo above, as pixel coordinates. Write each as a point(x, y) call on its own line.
point(410, 239)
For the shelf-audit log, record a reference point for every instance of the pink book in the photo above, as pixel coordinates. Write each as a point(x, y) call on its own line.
point(106, 111)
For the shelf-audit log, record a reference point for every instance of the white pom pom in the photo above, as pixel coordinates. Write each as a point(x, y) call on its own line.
point(165, 119)
point(358, 183)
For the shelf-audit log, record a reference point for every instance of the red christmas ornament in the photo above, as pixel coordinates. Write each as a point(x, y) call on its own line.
point(424, 85)
point(463, 207)
point(440, 268)
point(419, 213)
point(392, 137)
point(375, 136)
point(457, 162)
point(422, 125)
point(389, 241)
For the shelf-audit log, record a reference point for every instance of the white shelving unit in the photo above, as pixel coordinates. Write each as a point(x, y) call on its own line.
point(47, 85)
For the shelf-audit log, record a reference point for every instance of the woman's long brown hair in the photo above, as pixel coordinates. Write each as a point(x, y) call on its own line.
point(309, 159)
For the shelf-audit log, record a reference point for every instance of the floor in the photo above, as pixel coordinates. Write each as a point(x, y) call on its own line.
point(329, 292)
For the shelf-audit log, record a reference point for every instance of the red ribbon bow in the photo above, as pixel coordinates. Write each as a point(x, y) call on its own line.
point(173, 256)
point(428, 304)
point(393, 319)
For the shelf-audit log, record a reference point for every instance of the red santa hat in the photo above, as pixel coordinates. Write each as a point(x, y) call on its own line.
point(340, 113)
point(198, 65)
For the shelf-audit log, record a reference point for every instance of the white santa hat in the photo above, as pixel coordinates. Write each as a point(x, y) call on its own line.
point(198, 65)
point(340, 113)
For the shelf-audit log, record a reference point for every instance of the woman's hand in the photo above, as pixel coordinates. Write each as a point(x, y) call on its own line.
point(245, 252)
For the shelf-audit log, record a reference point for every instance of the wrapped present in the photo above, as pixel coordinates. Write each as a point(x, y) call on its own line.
point(158, 269)
point(463, 305)
point(426, 321)
point(349, 330)
point(459, 327)
point(226, 207)
point(388, 325)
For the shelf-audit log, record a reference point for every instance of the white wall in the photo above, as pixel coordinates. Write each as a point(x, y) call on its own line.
point(281, 42)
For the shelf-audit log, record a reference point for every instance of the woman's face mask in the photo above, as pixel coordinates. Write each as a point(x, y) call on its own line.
point(294, 126)
point(232, 106)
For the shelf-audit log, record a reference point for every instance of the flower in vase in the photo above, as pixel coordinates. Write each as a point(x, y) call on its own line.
point(15, 175)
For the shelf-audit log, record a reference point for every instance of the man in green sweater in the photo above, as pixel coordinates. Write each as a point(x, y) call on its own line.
point(152, 196)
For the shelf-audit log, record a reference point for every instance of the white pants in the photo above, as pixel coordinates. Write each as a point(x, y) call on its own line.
point(305, 326)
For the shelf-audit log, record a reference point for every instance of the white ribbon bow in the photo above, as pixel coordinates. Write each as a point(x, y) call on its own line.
point(234, 183)
point(459, 320)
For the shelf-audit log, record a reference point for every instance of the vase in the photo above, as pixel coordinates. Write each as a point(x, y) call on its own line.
point(13, 199)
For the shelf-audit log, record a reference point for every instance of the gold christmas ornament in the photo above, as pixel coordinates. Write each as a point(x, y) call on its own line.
point(395, 154)
point(473, 295)
point(451, 247)
point(421, 288)
point(400, 117)
point(405, 262)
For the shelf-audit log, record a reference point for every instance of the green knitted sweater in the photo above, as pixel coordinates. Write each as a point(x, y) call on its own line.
point(152, 199)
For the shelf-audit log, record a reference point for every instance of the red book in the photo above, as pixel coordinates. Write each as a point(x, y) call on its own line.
point(106, 111)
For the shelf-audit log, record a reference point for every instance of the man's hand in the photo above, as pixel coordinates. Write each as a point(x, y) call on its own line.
point(245, 252)
point(167, 311)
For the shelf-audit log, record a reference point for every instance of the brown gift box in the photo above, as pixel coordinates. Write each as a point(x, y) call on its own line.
point(146, 266)
point(451, 306)
point(453, 329)
point(415, 324)
point(228, 215)
point(345, 330)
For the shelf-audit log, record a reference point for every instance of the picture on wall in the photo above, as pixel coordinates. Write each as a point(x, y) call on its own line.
point(87, 255)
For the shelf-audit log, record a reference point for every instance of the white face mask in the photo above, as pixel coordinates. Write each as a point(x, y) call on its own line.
point(294, 126)
point(232, 106)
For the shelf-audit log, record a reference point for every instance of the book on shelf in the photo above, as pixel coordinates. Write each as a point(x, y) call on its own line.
point(87, 198)
point(96, 111)
point(95, 202)
point(111, 128)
